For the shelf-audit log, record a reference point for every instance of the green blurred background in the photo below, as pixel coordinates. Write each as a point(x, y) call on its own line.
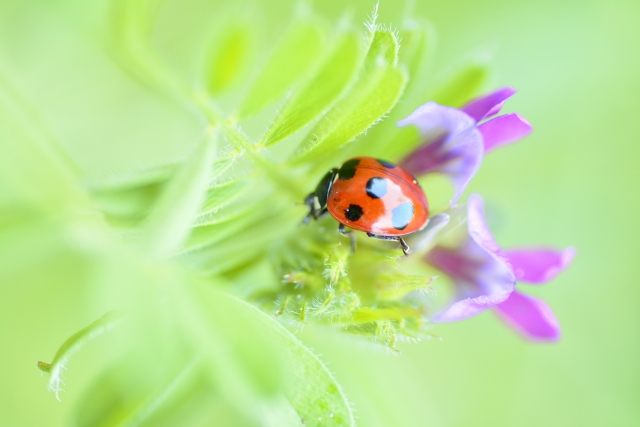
point(574, 181)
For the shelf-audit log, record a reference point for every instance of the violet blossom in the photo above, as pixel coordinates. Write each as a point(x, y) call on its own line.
point(484, 275)
point(458, 138)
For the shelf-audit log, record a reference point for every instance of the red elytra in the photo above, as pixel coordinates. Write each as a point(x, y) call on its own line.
point(371, 195)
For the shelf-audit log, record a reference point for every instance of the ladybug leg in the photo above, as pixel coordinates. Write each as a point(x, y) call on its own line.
point(405, 248)
point(314, 213)
point(320, 213)
point(311, 204)
point(349, 234)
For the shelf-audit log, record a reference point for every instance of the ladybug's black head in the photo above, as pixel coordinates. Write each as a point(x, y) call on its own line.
point(317, 201)
point(324, 187)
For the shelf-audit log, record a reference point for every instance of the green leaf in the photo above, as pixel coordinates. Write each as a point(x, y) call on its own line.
point(35, 169)
point(135, 393)
point(230, 211)
point(386, 140)
point(171, 219)
point(225, 315)
point(73, 344)
point(233, 247)
point(155, 175)
point(132, 23)
point(128, 198)
point(463, 86)
point(133, 204)
point(188, 353)
point(379, 86)
point(208, 235)
point(372, 97)
point(235, 199)
point(133, 18)
point(223, 194)
point(384, 45)
point(265, 373)
point(279, 413)
point(311, 390)
point(215, 375)
point(132, 179)
point(298, 50)
point(320, 91)
point(230, 56)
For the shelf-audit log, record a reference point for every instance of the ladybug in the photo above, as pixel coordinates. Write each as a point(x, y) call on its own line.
point(371, 195)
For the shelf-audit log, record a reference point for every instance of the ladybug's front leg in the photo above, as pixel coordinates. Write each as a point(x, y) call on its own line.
point(313, 212)
point(311, 204)
point(349, 234)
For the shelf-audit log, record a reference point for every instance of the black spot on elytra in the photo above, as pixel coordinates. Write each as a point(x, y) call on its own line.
point(376, 187)
point(402, 215)
point(348, 169)
point(353, 212)
point(386, 164)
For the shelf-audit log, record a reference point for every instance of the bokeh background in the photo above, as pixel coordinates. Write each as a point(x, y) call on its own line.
point(574, 181)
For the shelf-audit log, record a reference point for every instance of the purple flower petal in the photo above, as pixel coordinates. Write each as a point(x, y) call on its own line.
point(488, 105)
point(530, 317)
point(480, 282)
point(504, 130)
point(482, 275)
point(455, 146)
point(469, 307)
point(539, 265)
point(479, 231)
point(426, 237)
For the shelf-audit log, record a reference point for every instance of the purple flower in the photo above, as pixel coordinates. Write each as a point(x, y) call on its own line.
point(456, 140)
point(485, 277)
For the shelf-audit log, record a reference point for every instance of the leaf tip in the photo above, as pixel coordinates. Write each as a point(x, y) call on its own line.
point(44, 367)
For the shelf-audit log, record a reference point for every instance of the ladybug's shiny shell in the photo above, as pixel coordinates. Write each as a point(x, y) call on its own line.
point(377, 197)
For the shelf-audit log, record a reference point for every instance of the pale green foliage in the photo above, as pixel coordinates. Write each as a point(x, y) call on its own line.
point(298, 50)
point(320, 91)
point(464, 83)
point(222, 194)
point(229, 56)
point(168, 246)
point(371, 97)
point(183, 197)
point(376, 90)
point(72, 345)
point(418, 43)
point(217, 369)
